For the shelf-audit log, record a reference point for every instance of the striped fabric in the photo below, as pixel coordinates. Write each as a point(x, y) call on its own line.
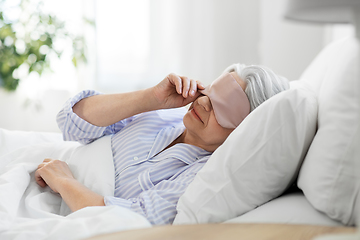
point(147, 180)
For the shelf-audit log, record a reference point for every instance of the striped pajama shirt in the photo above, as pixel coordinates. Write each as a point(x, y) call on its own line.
point(147, 181)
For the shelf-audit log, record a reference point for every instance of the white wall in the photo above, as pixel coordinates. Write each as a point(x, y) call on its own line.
point(285, 46)
point(195, 38)
point(20, 113)
point(206, 36)
point(220, 35)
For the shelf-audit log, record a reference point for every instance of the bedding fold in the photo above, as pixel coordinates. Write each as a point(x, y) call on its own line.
point(28, 211)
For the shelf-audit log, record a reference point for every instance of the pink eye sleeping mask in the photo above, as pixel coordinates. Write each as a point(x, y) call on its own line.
point(228, 100)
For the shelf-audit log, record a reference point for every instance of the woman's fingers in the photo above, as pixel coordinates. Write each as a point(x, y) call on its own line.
point(200, 85)
point(45, 161)
point(39, 180)
point(175, 80)
point(41, 165)
point(186, 86)
point(191, 86)
point(50, 173)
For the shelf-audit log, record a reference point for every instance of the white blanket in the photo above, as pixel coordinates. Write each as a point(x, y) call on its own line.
point(28, 211)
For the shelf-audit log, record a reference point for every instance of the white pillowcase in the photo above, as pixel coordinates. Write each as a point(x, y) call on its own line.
point(256, 163)
point(330, 175)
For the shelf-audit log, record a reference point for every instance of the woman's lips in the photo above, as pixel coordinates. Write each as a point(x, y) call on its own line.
point(194, 113)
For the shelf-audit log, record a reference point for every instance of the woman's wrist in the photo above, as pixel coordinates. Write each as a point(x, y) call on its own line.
point(150, 102)
point(77, 195)
point(65, 185)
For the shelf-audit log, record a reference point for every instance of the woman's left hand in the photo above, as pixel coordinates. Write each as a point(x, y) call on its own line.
point(52, 173)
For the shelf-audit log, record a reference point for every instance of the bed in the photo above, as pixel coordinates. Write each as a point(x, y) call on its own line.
point(298, 165)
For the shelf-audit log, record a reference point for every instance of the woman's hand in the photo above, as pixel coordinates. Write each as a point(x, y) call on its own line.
point(176, 91)
point(52, 173)
point(57, 175)
point(106, 109)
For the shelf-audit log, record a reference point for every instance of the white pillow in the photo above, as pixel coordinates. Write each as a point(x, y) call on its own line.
point(256, 163)
point(330, 175)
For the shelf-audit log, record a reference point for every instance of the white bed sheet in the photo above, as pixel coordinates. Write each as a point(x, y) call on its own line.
point(291, 208)
point(28, 211)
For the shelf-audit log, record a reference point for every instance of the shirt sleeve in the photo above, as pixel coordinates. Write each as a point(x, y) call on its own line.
point(75, 128)
point(158, 204)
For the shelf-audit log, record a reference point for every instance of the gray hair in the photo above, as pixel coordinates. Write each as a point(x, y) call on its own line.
point(262, 83)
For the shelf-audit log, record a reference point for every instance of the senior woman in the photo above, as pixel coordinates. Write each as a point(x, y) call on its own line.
point(158, 146)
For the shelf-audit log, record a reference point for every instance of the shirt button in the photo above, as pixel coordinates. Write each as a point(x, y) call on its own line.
point(136, 158)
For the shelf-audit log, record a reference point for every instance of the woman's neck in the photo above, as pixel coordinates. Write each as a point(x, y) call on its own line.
point(179, 139)
point(188, 138)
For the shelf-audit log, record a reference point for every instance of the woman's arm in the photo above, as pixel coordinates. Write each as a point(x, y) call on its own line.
point(107, 109)
point(104, 110)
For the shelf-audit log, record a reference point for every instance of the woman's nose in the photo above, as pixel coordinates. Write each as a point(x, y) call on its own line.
point(205, 102)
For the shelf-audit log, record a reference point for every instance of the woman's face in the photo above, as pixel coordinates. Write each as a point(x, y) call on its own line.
point(201, 123)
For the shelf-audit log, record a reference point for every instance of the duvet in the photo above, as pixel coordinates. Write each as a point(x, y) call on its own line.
point(28, 211)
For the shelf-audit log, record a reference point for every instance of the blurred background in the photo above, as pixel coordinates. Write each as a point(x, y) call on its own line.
point(51, 49)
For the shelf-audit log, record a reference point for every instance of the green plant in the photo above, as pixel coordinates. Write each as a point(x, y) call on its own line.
point(28, 41)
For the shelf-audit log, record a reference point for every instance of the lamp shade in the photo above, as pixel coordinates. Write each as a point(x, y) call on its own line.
point(322, 11)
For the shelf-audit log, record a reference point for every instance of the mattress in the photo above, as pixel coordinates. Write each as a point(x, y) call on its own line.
point(291, 208)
